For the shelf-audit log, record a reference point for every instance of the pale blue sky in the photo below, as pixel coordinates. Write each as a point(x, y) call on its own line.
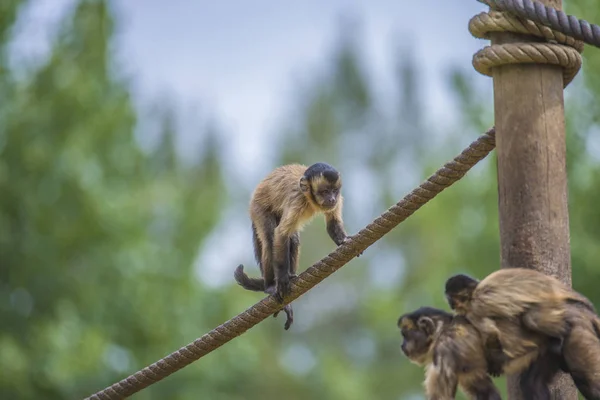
point(242, 58)
point(240, 61)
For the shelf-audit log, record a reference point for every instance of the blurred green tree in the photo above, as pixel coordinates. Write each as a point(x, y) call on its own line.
point(97, 237)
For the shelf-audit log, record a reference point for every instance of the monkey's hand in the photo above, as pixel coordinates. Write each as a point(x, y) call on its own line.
point(495, 356)
point(494, 370)
point(348, 238)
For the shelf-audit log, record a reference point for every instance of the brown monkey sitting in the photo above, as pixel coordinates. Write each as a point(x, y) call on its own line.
point(452, 351)
point(542, 326)
point(281, 204)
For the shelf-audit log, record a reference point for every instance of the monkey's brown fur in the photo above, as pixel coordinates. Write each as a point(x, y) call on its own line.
point(452, 351)
point(539, 323)
point(282, 203)
point(581, 350)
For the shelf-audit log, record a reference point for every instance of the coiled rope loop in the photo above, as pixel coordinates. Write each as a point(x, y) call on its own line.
point(560, 50)
point(550, 17)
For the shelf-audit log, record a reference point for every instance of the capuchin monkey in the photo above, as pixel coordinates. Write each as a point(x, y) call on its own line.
point(542, 326)
point(453, 353)
point(280, 206)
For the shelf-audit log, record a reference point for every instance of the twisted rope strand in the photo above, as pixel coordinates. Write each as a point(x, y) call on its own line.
point(550, 17)
point(528, 53)
point(481, 25)
point(440, 180)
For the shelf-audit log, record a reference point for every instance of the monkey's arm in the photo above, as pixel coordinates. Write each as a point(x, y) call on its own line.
point(335, 224)
point(441, 380)
point(492, 336)
point(459, 360)
point(494, 355)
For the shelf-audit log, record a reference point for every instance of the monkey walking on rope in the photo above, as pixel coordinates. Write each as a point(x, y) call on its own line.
point(281, 204)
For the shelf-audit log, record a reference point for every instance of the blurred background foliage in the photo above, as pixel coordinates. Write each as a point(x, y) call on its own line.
point(99, 236)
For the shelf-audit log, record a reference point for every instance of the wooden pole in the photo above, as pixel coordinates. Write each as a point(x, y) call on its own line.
point(532, 176)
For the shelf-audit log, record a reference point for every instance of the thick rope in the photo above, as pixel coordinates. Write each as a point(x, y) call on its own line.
point(528, 53)
point(535, 19)
point(550, 17)
point(566, 55)
point(484, 23)
point(440, 180)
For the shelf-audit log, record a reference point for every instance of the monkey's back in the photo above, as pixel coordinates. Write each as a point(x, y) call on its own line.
point(521, 345)
point(511, 291)
point(278, 189)
point(460, 344)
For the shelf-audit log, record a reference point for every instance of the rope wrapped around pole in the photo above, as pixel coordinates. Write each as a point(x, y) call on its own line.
point(550, 17)
point(436, 183)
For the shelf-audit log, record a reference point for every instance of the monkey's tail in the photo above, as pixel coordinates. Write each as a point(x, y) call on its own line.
point(254, 284)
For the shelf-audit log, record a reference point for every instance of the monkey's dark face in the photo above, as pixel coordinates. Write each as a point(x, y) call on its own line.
point(459, 291)
point(324, 186)
point(459, 302)
point(417, 334)
point(326, 193)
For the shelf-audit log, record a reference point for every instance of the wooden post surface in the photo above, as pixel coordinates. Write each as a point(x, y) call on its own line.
point(532, 176)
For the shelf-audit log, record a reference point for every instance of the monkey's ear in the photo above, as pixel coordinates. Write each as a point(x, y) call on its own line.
point(427, 325)
point(404, 322)
point(304, 184)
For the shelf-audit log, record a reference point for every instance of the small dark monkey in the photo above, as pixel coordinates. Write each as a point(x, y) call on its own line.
point(452, 351)
point(542, 326)
point(281, 204)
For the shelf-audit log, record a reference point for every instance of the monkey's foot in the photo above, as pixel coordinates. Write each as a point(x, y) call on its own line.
point(283, 288)
point(289, 313)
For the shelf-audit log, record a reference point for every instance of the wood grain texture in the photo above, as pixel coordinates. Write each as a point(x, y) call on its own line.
point(532, 176)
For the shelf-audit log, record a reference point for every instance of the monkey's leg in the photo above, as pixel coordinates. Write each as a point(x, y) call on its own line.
point(257, 246)
point(264, 226)
point(289, 312)
point(478, 386)
point(293, 263)
point(581, 351)
point(281, 252)
point(535, 379)
point(294, 250)
point(281, 263)
point(294, 253)
point(547, 320)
